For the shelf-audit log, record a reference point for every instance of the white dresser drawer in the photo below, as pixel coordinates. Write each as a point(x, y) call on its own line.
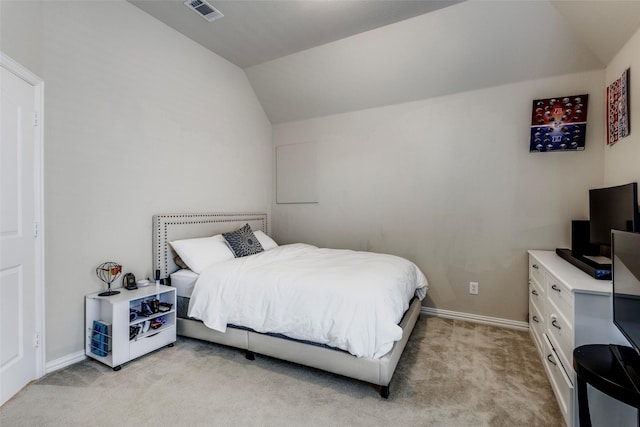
point(152, 342)
point(560, 331)
point(536, 293)
point(537, 322)
point(560, 383)
point(560, 295)
point(536, 272)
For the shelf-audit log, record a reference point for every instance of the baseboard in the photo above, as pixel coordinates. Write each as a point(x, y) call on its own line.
point(476, 318)
point(65, 361)
point(79, 356)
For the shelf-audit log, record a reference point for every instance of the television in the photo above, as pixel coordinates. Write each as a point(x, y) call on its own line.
point(625, 257)
point(612, 208)
point(625, 247)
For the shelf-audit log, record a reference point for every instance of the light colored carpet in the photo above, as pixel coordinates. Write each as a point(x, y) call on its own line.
point(452, 373)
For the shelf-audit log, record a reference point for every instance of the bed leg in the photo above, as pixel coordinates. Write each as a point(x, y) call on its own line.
point(384, 391)
point(250, 355)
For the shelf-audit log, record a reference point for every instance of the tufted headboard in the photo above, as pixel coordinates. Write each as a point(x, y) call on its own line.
point(170, 227)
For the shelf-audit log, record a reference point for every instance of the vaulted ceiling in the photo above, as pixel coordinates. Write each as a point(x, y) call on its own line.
point(256, 31)
point(309, 58)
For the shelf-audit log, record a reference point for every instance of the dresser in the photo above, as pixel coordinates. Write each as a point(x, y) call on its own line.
point(568, 308)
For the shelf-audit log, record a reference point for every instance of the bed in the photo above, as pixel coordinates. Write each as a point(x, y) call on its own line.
point(169, 228)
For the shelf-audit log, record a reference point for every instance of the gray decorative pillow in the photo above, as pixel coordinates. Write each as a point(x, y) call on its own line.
point(243, 242)
point(179, 262)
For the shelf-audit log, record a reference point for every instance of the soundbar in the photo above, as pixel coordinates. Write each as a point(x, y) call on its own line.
point(600, 272)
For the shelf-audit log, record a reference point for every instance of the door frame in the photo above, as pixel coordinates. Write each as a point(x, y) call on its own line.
point(14, 67)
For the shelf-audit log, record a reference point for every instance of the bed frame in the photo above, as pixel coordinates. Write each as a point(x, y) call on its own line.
point(169, 227)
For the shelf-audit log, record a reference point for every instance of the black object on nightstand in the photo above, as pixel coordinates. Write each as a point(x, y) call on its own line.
point(129, 282)
point(612, 369)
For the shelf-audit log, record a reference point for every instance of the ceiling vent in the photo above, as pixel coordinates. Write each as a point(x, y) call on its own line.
point(204, 9)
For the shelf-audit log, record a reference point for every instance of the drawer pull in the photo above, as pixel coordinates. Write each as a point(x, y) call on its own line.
point(554, 323)
point(535, 266)
point(555, 288)
point(535, 319)
point(549, 358)
point(534, 292)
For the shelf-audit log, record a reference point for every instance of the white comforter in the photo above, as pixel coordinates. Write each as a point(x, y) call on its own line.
point(345, 299)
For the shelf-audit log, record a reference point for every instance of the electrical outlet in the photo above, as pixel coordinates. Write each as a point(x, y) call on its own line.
point(473, 288)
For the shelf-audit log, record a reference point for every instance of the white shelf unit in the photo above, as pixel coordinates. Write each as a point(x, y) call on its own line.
point(115, 312)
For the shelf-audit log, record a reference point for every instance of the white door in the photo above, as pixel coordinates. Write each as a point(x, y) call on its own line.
point(19, 172)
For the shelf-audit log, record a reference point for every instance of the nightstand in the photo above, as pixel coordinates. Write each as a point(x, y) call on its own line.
point(122, 327)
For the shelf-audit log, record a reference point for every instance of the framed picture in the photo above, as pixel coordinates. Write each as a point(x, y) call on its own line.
point(559, 124)
point(618, 125)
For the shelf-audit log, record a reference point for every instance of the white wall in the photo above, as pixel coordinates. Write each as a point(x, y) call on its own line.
point(622, 160)
point(138, 120)
point(450, 184)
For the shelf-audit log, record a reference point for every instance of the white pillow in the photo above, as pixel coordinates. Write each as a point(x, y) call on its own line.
point(265, 241)
point(202, 252)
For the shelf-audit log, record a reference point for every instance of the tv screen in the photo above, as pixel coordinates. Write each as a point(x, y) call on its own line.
point(626, 285)
point(612, 208)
